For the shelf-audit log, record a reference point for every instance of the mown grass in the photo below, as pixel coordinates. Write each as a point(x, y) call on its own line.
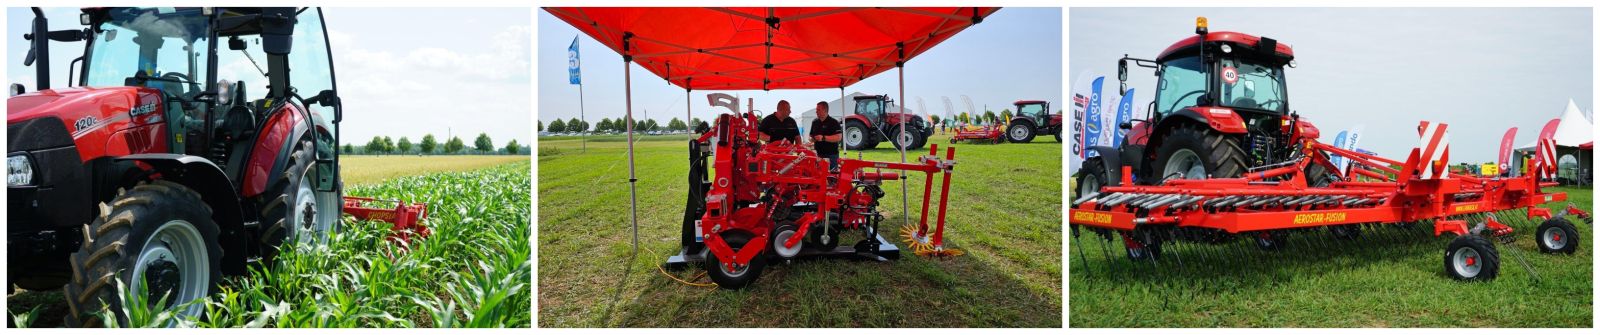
point(1390, 277)
point(1005, 213)
point(473, 271)
point(371, 169)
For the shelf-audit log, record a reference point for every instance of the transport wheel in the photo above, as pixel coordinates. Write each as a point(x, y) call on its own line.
point(1345, 232)
point(297, 210)
point(1193, 152)
point(1020, 132)
point(1269, 241)
point(783, 233)
point(1090, 178)
point(1471, 257)
point(906, 140)
point(739, 276)
point(857, 136)
point(1556, 235)
point(158, 233)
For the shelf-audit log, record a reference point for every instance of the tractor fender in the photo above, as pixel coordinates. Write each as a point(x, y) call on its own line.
point(272, 148)
point(859, 118)
point(1112, 159)
point(1028, 121)
point(204, 177)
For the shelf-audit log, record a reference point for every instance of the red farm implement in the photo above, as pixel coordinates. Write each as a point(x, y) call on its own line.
point(1269, 202)
point(407, 218)
point(986, 134)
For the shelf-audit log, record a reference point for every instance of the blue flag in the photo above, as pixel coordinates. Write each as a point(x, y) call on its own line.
point(1093, 122)
point(573, 74)
point(1124, 114)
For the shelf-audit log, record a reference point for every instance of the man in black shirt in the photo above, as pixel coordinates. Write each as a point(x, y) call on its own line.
point(779, 126)
point(825, 135)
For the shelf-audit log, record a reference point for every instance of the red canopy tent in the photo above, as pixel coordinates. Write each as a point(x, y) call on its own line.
point(765, 48)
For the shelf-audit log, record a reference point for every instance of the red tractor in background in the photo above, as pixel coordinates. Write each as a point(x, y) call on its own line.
point(1221, 109)
point(1033, 118)
point(872, 123)
point(154, 171)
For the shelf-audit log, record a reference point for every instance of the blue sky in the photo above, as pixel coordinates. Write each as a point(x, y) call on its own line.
point(402, 71)
point(1014, 54)
point(1480, 70)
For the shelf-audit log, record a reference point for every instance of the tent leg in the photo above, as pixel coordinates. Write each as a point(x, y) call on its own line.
point(905, 203)
point(633, 194)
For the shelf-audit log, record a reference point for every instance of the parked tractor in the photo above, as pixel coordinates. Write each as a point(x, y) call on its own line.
point(873, 123)
point(1033, 119)
point(154, 171)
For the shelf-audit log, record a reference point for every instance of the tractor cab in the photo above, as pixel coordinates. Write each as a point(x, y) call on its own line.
point(873, 107)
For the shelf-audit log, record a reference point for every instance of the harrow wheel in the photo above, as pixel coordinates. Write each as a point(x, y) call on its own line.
point(1471, 257)
point(783, 233)
point(1147, 249)
point(739, 276)
point(1345, 232)
point(1269, 241)
point(1556, 235)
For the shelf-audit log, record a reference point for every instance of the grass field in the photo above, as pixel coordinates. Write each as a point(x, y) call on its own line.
point(473, 271)
point(367, 169)
point(1390, 277)
point(1005, 213)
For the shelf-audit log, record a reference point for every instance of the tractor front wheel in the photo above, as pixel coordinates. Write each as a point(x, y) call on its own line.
point(738, 276)
point(905, 139)
point(1020, 132)
point(1471, 257)
point(857, 136)
point(159, 236)
point(1556, 235)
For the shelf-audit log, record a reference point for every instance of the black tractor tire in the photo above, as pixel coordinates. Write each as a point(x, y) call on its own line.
point(1020, 132)
point(278, 204)
point(1219, 153)
point(1318, 176)
point(1556, 235)
point(1481, 261)
point(114, 240)
point(1092, 173)
point(1269, 241)
point(733, 281)
point(815, 239)
point(1345, 231)
point(916, 140)
point(1058, 137)
point(868, 135)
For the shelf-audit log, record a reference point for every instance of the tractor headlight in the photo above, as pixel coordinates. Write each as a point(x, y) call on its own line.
point(19, 171)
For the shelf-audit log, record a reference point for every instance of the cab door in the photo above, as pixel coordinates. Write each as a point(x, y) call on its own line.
point(313, 79)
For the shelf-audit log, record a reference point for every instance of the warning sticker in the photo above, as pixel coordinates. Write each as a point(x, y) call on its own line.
point(1230, 75)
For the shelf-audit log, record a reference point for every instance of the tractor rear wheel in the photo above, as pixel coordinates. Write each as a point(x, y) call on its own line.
point(1471, 257)
point(1556, 235)
point(297, 210)
point(158, 234)
point(739, 276)
point(1192, 151)
point(1020, 132)
point(857, 136)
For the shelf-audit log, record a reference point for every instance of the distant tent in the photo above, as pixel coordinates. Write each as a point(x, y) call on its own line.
point(1574, 137)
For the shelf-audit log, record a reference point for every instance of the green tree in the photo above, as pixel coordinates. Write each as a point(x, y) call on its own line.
point(375, 146)
point(388, 145)
point(576, 126)
point(428, 143)
point(454, 145)
point(934, 118)
point(695, 122)
point(676, 125)
point(484, 144)
point(558, 126)
point(512, 147)
point(541, 125)
point(603, 126)
point(349, 148)
point(405, 145)
point(989, 117)
point(1005, 115)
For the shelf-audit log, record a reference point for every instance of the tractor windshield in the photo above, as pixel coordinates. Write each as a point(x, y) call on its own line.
point(166, 45)
point(870, 108)
point(1252, 84)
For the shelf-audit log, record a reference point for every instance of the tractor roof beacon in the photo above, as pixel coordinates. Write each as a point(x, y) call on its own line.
point(1235, 162)
point(152, 169)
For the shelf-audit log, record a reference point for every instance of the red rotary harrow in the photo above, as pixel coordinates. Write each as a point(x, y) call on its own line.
point(990, 134)
point(780, 201)
point(1268, 202)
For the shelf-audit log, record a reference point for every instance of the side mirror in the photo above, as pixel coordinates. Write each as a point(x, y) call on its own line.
point(17, 89)
point(1122, 70)
point(1125, 125)
point(326, 98)
point(235, 44)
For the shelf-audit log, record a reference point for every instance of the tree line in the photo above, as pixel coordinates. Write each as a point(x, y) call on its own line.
point(609, 125)
point(429, 145)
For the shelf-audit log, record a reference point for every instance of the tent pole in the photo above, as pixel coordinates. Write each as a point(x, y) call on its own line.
point(633, 180)
point(844, 150)
point(905, 205)
point(582, 119)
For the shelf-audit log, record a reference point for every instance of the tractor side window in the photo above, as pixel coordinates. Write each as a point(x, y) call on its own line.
point(246, 66)
point(1182, 84)
point(312, 68)
point(872, 109)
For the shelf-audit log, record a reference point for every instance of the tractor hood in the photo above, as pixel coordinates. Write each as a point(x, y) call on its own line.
point(84, 107)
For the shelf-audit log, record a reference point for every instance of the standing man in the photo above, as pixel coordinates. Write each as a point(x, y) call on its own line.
point(779, 126)
point(825, 135)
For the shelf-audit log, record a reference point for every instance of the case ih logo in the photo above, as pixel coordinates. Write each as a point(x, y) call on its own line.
point(142, 109)
point(84, 123)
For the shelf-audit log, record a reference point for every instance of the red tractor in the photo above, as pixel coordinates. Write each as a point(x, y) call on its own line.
point(154, 170)
point(873, 123)
point(1221, 109)
point(779, 201)
point(1033, 118)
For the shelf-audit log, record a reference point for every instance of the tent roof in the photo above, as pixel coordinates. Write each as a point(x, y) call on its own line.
point(729, 48)
point(1573, 130)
